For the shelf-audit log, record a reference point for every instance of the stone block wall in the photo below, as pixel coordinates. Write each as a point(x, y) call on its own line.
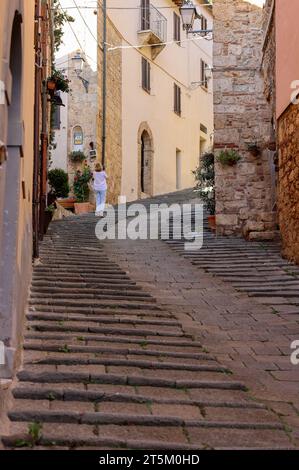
point(245, 192)
point(113, 161)
point(288, 189)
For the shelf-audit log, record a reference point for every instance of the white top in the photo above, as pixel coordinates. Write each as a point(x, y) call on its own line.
point(99, 180)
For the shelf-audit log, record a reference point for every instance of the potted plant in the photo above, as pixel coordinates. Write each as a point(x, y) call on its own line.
point(205, 185)
point(81, 190)
point(51, 84)
point(77, 156)
point(228, 157)
point(59, 183)
point(254, 149)
point(58, 81)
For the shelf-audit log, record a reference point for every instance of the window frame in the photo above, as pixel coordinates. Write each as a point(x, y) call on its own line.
point(177, 106)
point(177, 28)
point(203, 77)
point(145, 75)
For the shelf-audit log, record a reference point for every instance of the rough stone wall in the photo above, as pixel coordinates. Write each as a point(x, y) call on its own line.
point(82, 110)
point(288, 188)
point(244, 192)
point(113, 160)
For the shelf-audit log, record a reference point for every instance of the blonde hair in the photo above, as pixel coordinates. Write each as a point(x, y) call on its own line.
point(98, 167)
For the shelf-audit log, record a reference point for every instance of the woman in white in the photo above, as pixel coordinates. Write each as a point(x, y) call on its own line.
point(100, 188)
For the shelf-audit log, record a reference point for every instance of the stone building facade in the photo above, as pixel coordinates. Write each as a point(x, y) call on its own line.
point(25, 61)
point(288, 189)
point(159, 99)
point(287, 122)
point(113, 153)
point(245, 193)
point(76, 123)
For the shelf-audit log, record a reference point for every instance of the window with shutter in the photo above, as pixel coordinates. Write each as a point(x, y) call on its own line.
point(204, 23)
point(203, 75)
point(176, 28)
point(146, 75)
point(177, 100)
point(145, 15)
point(56, 115)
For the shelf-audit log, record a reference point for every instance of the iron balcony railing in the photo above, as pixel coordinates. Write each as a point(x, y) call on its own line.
point(153, 20)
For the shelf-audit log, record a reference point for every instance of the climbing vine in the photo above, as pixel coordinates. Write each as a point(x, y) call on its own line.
point(60, 17)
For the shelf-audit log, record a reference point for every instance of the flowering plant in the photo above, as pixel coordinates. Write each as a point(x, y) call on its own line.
point(205, 181)
point(80, 186)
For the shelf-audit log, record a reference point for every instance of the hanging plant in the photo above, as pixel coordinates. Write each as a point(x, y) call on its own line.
point(254, 149)
point(228, 157)
point(58, 81)
point(77, 156)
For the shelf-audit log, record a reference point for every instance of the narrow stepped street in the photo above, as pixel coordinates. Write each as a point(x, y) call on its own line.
point(141, 345)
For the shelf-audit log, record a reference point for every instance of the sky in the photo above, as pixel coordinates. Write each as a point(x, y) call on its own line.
point(85, 37)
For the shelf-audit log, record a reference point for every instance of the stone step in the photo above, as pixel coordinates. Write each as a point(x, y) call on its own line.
point(101, 319)
point(123, 379)
point(130, 419)
point(166, 349)
point(54, 294)
point(106, 309)
point(87, 439)
point(82, 277)
point(81, 285)
point(77, 395)
point(141, 364)
point(105, 372)
point(89, 304)
point(115, 341)
point(119, 331)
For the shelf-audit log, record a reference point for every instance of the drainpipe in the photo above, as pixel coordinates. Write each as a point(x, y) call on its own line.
point(36, 166)
point(35, 209)
point(44, 160)
point(104, 90)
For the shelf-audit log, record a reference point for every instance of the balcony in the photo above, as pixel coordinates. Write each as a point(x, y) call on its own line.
point(153, 28)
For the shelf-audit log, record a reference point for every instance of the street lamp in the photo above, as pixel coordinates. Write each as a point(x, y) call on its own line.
point(189, 15)
point(78, 62)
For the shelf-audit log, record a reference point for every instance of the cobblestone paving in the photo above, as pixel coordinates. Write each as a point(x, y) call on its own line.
point(128, 345)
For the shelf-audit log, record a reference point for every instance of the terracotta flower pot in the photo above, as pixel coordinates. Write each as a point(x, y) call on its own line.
point(212, 222)
point(82, 207)
point(67, 203)
point(51, 85)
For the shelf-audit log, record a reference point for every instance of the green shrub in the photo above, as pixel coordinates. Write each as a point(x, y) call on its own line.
point(205, 181)
point(59, 182)
point(77, 157)
point(228, 157)
point(81, 184)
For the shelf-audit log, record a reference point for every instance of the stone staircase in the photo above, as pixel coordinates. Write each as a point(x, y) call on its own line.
point(106, 367)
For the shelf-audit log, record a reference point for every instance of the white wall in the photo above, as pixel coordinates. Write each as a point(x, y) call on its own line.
point(175, 64)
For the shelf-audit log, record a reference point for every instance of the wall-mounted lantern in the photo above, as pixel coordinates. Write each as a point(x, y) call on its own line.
point(189, 15)
point(78, 62)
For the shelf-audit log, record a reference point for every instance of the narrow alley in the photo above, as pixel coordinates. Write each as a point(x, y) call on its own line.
point(129, 346)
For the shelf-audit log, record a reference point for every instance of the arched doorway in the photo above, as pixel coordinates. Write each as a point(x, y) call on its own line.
point(8, 266)
point(145, 161)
